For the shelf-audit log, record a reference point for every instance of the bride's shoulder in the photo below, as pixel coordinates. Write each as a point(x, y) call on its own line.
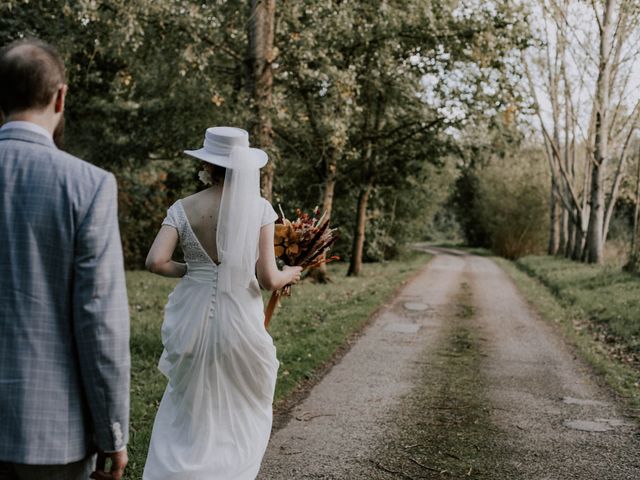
point(194, 199)
point(191, 198)
point(269, 214)
point(265, 202)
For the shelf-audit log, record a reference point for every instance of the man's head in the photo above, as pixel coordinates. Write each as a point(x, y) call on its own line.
point(32, 83)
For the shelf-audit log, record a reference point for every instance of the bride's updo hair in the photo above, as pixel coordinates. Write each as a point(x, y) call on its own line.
point(216, 172)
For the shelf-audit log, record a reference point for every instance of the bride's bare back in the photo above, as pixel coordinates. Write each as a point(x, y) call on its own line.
point(202, 211)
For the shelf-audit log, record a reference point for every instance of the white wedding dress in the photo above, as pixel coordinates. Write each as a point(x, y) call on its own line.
point(214, 419)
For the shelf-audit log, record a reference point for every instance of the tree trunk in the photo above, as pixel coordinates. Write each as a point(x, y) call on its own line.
point(595, 245)
point(355, 265)
point(634, 258)
point(577, 253)
point(330, 184)
point(578, 246)
point(571, 243)
point(636, 214)
point(595, 233)
point(261, 55)
point(615, 187)
point(320, 274)
point(552, 247)
point(563, 224)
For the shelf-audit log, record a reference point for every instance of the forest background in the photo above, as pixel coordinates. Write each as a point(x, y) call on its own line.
point(506, 124)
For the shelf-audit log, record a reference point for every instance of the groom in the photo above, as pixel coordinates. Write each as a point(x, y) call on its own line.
point(64, 320)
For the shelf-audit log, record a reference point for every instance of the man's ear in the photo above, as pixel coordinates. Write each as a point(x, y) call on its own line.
point(61, 95)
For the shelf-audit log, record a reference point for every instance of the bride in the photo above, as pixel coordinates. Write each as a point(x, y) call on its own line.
point(214, 419)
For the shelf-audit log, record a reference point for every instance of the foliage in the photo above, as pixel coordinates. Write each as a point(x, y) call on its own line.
point(500, 196)
point(145, 80)
point(401, 216)
point(373, 94)
point(374, 99)
point(307, 330)
point(511, 206)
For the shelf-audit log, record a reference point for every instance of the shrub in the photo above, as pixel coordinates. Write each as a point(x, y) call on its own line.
point(511, 206)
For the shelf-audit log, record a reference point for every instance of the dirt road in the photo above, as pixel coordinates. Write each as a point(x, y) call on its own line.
point(457, 378)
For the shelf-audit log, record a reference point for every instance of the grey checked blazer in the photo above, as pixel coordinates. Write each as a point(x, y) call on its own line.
point(64, 319)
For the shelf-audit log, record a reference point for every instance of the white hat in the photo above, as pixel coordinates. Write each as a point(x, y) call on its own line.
point(220, 141)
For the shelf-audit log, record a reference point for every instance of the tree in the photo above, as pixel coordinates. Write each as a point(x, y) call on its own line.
point(436, 44)
point(600, 79)
point(261, 26)
point(634, 258)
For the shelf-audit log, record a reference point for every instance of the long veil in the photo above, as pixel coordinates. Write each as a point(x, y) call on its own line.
point(239, 221)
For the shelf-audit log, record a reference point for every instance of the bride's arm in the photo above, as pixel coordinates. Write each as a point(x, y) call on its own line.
point(267, 270)
point(159, 256)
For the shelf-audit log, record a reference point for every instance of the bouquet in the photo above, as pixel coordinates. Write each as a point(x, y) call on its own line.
point(304, 243)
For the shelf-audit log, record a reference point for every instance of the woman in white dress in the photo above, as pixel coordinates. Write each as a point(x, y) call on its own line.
point(214, 419)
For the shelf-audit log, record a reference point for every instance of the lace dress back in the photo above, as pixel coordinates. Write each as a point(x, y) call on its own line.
point(191, 248)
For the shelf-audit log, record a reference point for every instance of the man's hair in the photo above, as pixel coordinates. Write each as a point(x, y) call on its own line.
point(30, 73)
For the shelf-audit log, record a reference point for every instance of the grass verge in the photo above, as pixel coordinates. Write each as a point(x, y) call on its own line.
point(307, 329)
point(598, 310)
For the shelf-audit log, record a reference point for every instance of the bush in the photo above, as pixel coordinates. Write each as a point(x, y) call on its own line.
point(512, 208)
point(145, 194)
point(502, 204)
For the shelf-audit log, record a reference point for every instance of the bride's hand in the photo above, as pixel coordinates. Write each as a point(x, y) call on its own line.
point(293, 272)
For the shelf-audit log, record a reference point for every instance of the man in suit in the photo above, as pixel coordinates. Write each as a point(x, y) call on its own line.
point(64, 319)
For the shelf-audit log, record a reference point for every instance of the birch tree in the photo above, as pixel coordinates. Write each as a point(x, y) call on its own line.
point(634, 258)
point(573, 69)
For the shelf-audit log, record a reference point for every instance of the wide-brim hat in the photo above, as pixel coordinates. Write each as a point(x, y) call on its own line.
point(220, 141)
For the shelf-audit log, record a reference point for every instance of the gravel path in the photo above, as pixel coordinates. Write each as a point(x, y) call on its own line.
point(457, 378)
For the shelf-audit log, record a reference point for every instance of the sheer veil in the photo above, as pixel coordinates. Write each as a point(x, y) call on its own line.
point(239, 221)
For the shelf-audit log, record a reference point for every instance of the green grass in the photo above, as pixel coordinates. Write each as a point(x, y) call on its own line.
point(608, 297)
point(597, 309)
point(307, 329)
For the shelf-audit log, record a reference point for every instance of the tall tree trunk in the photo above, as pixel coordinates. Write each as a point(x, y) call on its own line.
point(615, 187)
point(556, 234)
point(583, 216)
point(634, 257)
point(552, 247)
point(320, 274)
point(358, 239)
point(261, 55)
point(595, 233)
point(578, 252)
point(571, 239)
point(595, 245)
point(635, 248)
point(563, 225)
point(330, 184)
point(578, 246)
point(565, 220)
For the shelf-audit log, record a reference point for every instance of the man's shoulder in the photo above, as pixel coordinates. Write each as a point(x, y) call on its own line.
point(81, 167)
point(34, 152)
point(80, 176)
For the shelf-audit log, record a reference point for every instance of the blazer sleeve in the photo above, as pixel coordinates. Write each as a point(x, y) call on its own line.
point(101, 318)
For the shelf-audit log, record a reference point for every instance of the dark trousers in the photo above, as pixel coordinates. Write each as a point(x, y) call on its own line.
point(71, 471)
